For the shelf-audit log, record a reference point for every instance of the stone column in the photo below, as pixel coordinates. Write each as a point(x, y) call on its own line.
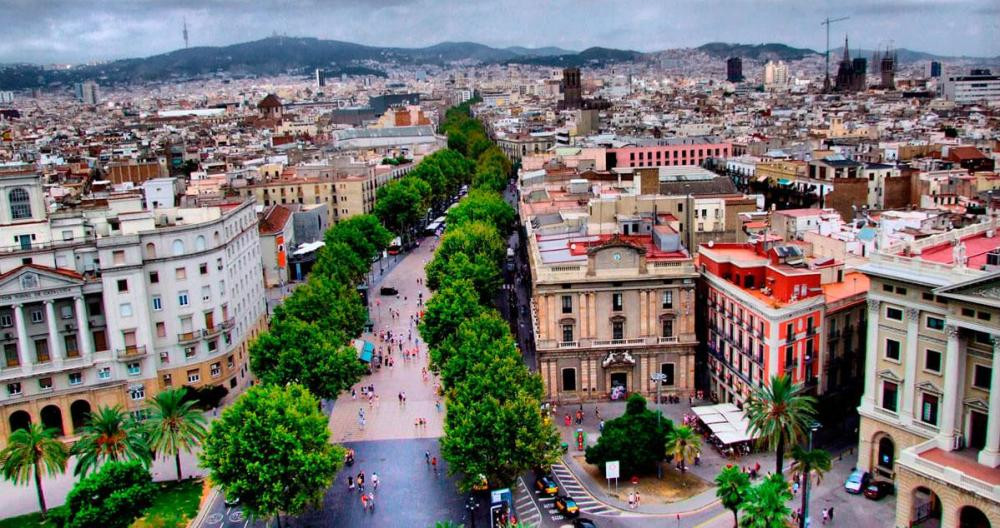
point(55, 351)
point(871, 354)
point(949, 407)
point(85, 345)
point(23, 354)
point(581, 302)
point(592, 304)
point(910, 364)
point(643, 310)
point(990, 455)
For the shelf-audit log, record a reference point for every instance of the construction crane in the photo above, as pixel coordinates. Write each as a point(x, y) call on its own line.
point(186, 33)
point(827, 22)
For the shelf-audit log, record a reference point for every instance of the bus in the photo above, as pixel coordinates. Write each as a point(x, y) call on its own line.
point(395, 246)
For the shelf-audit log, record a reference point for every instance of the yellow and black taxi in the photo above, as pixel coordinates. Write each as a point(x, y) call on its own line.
point(545, 484)
point(566, 506)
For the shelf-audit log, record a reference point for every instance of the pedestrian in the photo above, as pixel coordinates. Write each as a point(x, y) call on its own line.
point(434, 464)
point(600, 426)
point(350, 483)
point(437, 404)
point(825, 515)
point(830, 513)
point(795, 487)
point(354, 394)
point(374, 481)
point(427, 457)
point(364, 502)
point(631, 500)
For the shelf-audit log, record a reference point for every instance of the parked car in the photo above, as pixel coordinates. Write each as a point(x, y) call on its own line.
point(231, 501)
point(877, 489)
point(584, 523)
point(389, 290)
point(857, 481)
point(566, 506)
point(546, 484)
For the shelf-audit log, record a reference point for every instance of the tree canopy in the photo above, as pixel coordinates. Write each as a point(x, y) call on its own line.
point(446, 310)
point(401, 204)
point(335, 307)
point(271, 450)
point(633, 438)
point(363, 233)
point(780, 414)
point(113, 497)
point(484, 206)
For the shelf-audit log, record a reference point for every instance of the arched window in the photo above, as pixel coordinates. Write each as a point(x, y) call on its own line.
point(216, 238)
point(199, 243)
point(20, 204)
point(150, 250)
point(178, 247)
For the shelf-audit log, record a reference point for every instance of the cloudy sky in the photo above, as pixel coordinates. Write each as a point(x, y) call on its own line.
point(79, 31)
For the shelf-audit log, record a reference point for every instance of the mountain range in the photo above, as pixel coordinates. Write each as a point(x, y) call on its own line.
point(301, 55)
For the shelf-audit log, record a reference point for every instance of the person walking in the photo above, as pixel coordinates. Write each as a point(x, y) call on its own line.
point(350, 483)
point(374, 481)
point(638, 499)
point(631, 500)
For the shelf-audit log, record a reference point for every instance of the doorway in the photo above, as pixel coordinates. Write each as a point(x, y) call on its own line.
point(619, 385)
point(977, 429)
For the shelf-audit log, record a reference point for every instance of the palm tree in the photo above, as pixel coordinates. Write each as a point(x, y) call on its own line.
point(779, 415)
point(31, 452)
point(109, 434)
point(765, 504)
point(175, 425)
point(811, 462)
point(683, 445)
point(732, 487)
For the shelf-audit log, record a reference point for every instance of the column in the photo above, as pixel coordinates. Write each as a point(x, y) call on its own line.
point(871, 355)
point(543, 321)
point(990, 455)
point(55, 351)
point(592, 304)
point(952, 397)
point(554, 330)
point(910, 364)
point(85, 344)
point(22, 338)
point(643, 309)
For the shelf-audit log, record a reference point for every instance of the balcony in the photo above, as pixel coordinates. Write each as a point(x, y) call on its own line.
point(188, 337)
point(617, 342)
point(130, 352)
point(790, 338)
point(35, 246)
point(669, 340)
point(214, 330)
point(956, 468)
point(551, 344)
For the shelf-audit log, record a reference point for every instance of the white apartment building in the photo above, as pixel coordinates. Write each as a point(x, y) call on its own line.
point(775, 75)
point(980, 86)
point(110, 304)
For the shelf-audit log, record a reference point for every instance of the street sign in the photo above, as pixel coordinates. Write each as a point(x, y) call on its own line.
point(500, 495)
point(612, 469)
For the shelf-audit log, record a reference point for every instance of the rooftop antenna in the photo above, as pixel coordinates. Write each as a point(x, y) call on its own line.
point(826, 22)
point(185, 33)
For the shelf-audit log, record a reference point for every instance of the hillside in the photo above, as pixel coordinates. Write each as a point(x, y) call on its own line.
point(771, 51)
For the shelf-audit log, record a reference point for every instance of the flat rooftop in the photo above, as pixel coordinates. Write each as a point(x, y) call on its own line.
point(976, 248)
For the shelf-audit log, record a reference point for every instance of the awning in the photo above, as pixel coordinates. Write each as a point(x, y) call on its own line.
point(783, 181)
point(761, 178)
point(726, 421)
point(365, 350)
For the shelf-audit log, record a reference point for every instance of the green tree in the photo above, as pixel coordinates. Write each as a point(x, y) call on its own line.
point(476, 339)
point(499, 436)
point(400, 205)
point(477, 144)
point(113, 497)
point(634, 438)
point(339, 263)
point(475, 239)
point(294, 351)
point(484, 206)
point(812, 462)
point(446, 309)
point(732, 485)
point(764, 505)
point(683, 445)
point(495, 155)
point(271, 449)
point(175, 425)
point(109, 435)
point(29, 454)
point(458, 142)
point(478, 269)
point(363, 233)
point(334, 306)
point(490, 177)
point(779, 415)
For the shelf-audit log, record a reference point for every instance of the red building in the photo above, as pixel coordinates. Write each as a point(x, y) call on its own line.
point(768, 308)
point(670, 151)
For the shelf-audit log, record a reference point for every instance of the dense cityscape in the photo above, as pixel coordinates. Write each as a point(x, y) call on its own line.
point(278, 282)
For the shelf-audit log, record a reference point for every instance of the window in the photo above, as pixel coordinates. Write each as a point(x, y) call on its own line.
point(935, 323)
point(150, 250)
point(67, 236)
point(118, 257)
point(6, 321)
point(13, 389)
point(180, 273)
point(66, 311)
point(75, 378)
point(983, 316)
point(178, 247)
point(216, 370)
point(893, 313)
point(968, 312)
point(887, 288)
point(182, 298)
point(616, 301)
point(229, 362)
point(194, 376)
point(618, 330)
point(667, 369)
point(900, 291)
point(134, 369)
point(45, 383)
point(213, 345)
point(189, 352)
point(668, 299)
point(892, 349)
point(569, 379)
point(218, 264)
point(94, 308)
point(203, 268)
point(161, 329)
point(567, 333)
point(20, 204)
point(927, 296)
point(168, 380)
point(889, 393)
point(199, 243)
point(154, 277)
point(157, 303)
point(981, 375)
point(137, 392)
point(122, 285)
point(929, 409)
point(125, 309)
point(41, 350)
point(667, 328)
point(932, 361)
point(567, 304)
point(104, 373)
point(36, 316)
point(206, 293)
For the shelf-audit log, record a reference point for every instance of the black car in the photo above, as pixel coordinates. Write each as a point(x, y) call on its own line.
point(566, 506)
point(583, 523)
point(388, 290)
point(877, 489)
point(546, 485)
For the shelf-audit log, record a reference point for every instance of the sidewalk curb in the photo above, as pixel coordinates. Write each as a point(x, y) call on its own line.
point(203, 509)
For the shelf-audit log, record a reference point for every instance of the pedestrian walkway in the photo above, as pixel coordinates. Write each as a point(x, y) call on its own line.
point(572, 486)
point(389, 417)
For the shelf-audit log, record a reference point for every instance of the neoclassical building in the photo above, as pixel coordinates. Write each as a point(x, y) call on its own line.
point(109, 303)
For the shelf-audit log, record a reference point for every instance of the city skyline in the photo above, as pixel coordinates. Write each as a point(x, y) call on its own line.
point(71, 32)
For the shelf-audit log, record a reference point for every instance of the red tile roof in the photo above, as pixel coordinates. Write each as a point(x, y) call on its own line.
point(38, 267)
point(274, 220)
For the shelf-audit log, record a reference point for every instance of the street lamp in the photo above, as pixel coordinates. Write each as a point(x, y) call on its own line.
point(813, 427)
point(658, 378)
point(472, 505)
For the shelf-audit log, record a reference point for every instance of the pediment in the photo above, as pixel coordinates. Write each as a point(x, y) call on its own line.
point(926, 386)
point(889, 375)
point(29, 279)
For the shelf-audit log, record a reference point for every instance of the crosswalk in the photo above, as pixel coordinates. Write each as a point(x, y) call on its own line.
point(583, 498)
point(526, 508)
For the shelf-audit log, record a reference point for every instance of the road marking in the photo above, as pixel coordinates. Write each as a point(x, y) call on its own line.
point(713, 519)
point(214, 518)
